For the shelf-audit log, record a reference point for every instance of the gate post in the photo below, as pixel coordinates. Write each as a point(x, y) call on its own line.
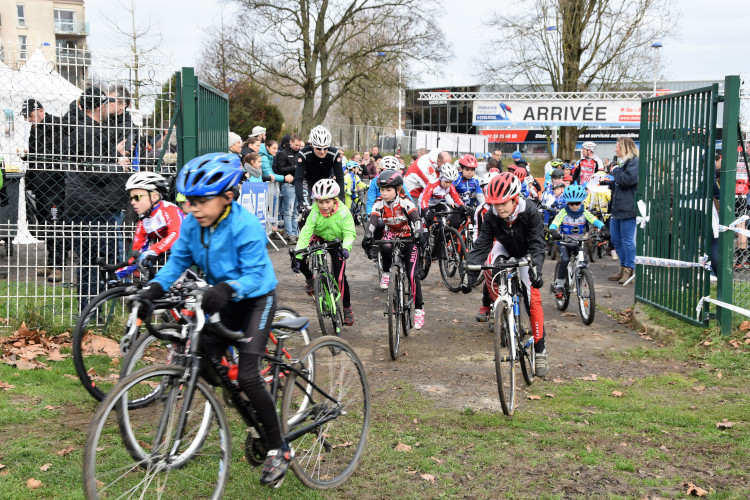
point(187, 125)
point(729, 143)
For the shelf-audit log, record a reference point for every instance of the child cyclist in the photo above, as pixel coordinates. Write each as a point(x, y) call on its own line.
point(228, 243)
point(328, 220)
point(159, 220)
point(512, 228)
point(572, 221)
point(352, 183)
point(401, 220)
point(552, 201)
point(442, 195)
point(468, 186)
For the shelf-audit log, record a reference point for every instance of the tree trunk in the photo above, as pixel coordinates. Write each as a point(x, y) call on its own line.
point(567, 142)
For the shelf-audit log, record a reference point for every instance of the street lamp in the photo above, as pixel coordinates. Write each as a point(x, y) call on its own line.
point(656, 46)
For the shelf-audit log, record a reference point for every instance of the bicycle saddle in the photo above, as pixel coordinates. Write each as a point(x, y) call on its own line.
point(295, 324)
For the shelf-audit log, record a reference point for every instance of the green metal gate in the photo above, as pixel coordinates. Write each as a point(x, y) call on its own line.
point(678, 134)
point(676, 181)
point(202, 117)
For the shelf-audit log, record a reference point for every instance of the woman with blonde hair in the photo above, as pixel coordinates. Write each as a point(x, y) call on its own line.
point(624, 185)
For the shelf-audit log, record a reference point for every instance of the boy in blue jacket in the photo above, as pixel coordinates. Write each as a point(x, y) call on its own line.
point(228, 243)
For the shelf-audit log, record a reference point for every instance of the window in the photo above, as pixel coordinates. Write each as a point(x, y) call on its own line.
point(22, 47)
point(21, 11)
point(65, 20)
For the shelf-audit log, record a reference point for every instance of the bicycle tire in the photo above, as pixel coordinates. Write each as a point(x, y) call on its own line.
point(407, 308)
point(455, 255)
point(329, 454)
point(323, 300)
point(425, 261)
point(586, 299)
point(111, 307)
point(525, 347)
point(394, 320)
point(591, 250)
point(555, 252)
point(130, 468)
point(504, 362)
point(601, 250)
point(563, 302)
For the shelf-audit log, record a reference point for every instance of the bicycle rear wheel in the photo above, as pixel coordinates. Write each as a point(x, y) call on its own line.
point(135, 453)
point(505, 363)
point(327, 309)
point(330, 449)
point(450, 258)
point(394, 312)
point(98, 343)
point(586, 296)
point(562, 303)
point(425, 261)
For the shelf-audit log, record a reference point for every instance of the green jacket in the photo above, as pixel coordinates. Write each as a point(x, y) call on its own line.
point(338, 225)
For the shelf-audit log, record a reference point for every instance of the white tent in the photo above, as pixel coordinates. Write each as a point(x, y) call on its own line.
point(38, 79)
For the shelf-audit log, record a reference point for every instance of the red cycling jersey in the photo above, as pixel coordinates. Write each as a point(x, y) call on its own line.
point(161, 228)
point(741, 187)
point(396, 215)
point(585, 168)
point(435, 194)
point(419, 174)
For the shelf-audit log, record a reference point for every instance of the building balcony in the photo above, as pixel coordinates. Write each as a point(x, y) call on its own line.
point(73, 57)
point(71, 28)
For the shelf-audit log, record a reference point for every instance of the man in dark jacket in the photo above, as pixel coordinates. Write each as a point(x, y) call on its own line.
point(46, 181)
point(285, 163)
point(94, 186)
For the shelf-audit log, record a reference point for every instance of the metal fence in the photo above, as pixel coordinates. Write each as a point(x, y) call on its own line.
point(741, 254)
point(67, 145)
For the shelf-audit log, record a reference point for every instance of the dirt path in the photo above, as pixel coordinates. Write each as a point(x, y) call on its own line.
point(451, 359)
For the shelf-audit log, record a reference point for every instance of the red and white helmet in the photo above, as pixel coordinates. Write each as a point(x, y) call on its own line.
point(468, 161)
point(502, 188)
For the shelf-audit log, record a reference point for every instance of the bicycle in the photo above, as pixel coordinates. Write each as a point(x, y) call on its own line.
point(400, 296)
point(325, 287)
point(182, 437)
point(512, 327)
point(578, 279)
point(466, 230)
point(450, 249)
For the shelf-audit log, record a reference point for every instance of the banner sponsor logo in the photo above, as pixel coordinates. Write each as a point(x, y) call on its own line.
point(595, 135)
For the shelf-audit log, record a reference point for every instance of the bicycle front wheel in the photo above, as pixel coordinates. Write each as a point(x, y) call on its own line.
point(452, 254)
point(562, 303)
point(394, 312)
point(586, 296)
point(98, 344)
point(505, 363)
point(325, 305)
point(135, 452)
point(336, 420)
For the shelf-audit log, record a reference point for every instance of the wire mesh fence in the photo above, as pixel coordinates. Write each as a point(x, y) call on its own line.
point(75, 124)
point(741, 281)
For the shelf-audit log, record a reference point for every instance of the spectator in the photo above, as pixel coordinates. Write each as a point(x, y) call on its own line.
point(259, 133)
point(253, 165)
point(235, 143)
point(622, 207)
point(421, 152)
point(285, 164)
point(494, 166)
point(370, 169)
point(46, 181)
point(497, 155)
point(376, 153)
point(94, 184)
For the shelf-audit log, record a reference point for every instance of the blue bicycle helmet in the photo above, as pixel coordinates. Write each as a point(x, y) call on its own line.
point(516, 155)
point(573, 194)
point(210, 174)
point(351, 164)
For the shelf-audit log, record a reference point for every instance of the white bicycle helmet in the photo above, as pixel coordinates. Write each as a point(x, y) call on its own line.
point(449, 172)
point(150, 181)
point(320, 137)
point(325, 189)
point(486, 178)
point(589, 145)
point(390, 163)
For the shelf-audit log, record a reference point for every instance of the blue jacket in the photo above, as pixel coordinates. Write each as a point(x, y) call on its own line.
point(233, 252)
point(266, 162)
point(374, 192)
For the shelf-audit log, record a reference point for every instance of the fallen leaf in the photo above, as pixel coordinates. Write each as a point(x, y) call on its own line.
point(2, 466)
point(589, 449)
point(5, 386)
point(695, 490)
point(550, 395)
point(718, 375)
point(568, 315)
point(428, 477)
point(707, 342)
point(438, 460)
point(45, 467)
point(416, 421)
point(411, 472)
point(33, 484)
point(433, 389)
point(50, 407)
point(734, 343)
point(455, 320)
point(617, 394)
point(663, 448)
point(401, 447)
point(745, 326)
point(557, 380)
point(623, 443)
point(533, 397)
point(65, 451)
point(724, 424)
point(591, 377)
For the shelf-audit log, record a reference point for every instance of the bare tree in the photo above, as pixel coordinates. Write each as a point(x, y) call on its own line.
point(216, 59)
point(306, 49)
point(142, 40)
point(581, 45)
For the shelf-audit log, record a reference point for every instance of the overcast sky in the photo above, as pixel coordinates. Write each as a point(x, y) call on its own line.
point(713, 36)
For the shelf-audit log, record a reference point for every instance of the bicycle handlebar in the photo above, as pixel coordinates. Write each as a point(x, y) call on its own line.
point(410, 239)
point(510, 263)
point(314, 248)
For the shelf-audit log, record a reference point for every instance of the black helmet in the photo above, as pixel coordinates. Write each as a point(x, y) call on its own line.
point(390, 178)
point(557, 172)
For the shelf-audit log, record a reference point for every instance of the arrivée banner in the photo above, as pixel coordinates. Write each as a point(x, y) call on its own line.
point(568, 112)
